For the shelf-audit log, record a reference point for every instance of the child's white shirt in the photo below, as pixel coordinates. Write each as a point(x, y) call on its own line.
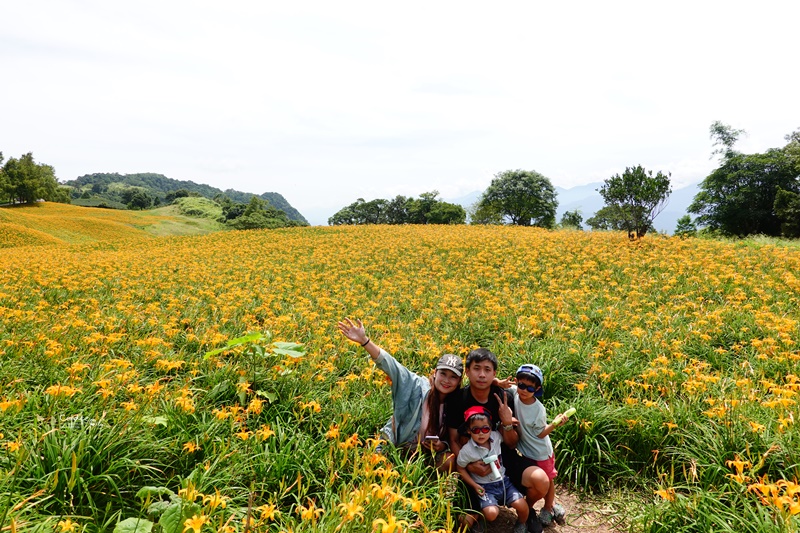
point(472, 452)
point(532, 421)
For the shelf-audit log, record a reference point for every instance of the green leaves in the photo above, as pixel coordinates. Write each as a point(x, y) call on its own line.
point(154, 492)
point(26, 181)
point(278, 348)
point(288, 348)
point(155, 420)
point(134, 525)
point(738, 198)
point(525, 197)
point(636, 197)
point(238, 341)
point(171, 520)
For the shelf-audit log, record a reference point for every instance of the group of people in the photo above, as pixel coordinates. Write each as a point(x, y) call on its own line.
point(493, 432)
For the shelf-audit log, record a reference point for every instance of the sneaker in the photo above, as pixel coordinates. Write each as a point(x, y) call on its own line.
point(558, 514)
point(546, 517)
point(534, 526)
point(520, 528)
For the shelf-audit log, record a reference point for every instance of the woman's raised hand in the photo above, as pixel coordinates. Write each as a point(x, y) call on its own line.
point(353, 332)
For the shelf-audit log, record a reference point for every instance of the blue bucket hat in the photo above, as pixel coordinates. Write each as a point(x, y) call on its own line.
point(533, 373)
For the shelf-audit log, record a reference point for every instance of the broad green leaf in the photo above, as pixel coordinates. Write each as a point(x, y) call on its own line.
point(290, 353)
point(214, 352)
point(170, 521)
point(270, 396)
point(158, 507)
point(286, 345)
point(134, 525)
point(244, 339)
point(250, 337)
point(149, 492)
point(156, 420)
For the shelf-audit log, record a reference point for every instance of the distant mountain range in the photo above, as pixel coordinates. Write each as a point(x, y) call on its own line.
point(588, 201)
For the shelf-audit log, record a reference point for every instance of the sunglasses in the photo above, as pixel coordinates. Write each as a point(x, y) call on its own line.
point(527, 388)
point(484, 429)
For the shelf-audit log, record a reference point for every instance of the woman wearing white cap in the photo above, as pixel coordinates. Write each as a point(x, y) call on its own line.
point(417, 401)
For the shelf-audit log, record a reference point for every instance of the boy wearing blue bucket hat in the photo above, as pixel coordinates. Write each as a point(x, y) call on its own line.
point(534, 442)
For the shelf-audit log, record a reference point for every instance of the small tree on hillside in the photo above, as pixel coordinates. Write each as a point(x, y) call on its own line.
point(446, 213)
point(140, 199)
point(685, 227)
point(637, 196)
point(523, 197)
point(606, 218)
point(572, 219)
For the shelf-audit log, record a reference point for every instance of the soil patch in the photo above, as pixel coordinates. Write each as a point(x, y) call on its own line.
point(584, 514)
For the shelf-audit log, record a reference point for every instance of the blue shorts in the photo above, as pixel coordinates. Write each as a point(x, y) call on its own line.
point(499, 493)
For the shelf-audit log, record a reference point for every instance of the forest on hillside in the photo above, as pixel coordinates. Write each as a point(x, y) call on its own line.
point(145, 190)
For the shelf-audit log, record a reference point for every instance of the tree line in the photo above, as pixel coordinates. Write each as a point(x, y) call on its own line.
point(750, 193)
point(24, 181)
point(747, 194)
point(426, 209)
point(146, 190)
point(524, 198)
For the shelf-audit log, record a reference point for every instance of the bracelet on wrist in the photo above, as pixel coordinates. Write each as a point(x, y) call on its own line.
point(366, 342)
point(508, 427)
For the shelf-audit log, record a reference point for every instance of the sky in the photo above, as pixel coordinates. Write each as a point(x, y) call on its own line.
point(325, 102)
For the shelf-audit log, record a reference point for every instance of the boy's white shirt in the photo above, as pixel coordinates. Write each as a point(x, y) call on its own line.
point(472, 452)
point(532, 421)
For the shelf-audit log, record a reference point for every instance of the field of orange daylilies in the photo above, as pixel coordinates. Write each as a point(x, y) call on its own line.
point(200, 384)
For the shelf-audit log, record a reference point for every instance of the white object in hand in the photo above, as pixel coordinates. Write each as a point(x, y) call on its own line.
point(566, 414)
point(491, 460)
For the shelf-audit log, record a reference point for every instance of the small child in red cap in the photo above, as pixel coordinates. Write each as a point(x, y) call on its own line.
point(495, 489)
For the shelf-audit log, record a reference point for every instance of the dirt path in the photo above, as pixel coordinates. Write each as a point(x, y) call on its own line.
point(583, 515)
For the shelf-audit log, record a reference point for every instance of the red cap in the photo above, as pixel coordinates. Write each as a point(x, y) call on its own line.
point(477, 410)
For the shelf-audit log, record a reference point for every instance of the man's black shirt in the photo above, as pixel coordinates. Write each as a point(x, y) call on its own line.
point(458, 402)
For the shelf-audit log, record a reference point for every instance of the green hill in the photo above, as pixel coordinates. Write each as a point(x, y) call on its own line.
point(110, 190)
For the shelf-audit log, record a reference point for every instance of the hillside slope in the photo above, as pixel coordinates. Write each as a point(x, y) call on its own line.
point(107, 186)
point(51, 223)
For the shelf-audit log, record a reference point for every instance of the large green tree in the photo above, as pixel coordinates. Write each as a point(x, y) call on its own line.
point(787, 209)
point(738, 198)
point(25, 181)
point(636, 197)
point(481, 213)
point(725, 137)
point(521, 197)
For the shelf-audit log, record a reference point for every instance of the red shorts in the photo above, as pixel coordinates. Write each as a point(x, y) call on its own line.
point(548, 465)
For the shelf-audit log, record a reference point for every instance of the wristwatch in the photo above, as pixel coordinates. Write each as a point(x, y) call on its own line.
point(508, 427)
